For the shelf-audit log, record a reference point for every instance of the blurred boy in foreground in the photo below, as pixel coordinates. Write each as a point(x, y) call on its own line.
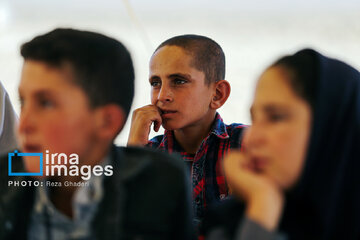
point(76, 91)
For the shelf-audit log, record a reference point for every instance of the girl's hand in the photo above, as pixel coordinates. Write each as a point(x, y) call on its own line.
point(264, 199)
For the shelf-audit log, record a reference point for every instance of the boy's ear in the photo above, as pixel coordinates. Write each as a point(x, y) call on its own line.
point(110, 121)
point(221, 94)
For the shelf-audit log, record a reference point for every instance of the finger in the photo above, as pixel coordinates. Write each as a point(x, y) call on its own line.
point(236, 166)
point(232, 159)
point(232, 163)
point(158, 119)
point(157, 122)
point(156, 126)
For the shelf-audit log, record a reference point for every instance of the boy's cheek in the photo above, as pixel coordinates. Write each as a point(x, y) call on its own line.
point(57, 139)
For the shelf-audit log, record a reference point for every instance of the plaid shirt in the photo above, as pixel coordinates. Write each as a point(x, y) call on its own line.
point(207, 176)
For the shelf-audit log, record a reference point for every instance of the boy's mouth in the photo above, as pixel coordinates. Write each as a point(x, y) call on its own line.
point(30, 148)
point(167, 113)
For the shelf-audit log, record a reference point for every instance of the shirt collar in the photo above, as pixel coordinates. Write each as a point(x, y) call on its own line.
point(90, 193)
point(219, 128)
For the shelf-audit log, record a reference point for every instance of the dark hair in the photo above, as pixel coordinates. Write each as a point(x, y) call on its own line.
point(302, 68)
point(101, 65)
point(207, 55)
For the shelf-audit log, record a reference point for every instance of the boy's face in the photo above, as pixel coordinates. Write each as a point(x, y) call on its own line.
point(55, 113)
point(179, 90)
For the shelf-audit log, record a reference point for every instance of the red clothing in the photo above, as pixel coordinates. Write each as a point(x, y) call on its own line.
point(207, 176)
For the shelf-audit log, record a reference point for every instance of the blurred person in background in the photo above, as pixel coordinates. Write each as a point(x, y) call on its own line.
point(76, 91)
point(298, 176)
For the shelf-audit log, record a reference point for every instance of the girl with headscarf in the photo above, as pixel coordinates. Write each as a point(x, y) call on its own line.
point(8, 121)
point(298, 176)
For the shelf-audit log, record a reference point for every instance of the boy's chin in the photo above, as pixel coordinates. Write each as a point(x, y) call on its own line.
point(168, 128)
point(170, 125)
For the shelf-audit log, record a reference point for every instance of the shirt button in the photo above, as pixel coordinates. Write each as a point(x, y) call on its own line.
point(222, 196)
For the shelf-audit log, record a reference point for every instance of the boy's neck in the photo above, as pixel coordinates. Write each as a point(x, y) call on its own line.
point(61, 197)
point(191, 137)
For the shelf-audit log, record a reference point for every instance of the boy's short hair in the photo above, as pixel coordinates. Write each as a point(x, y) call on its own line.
point(208, 56)
point(101, 65)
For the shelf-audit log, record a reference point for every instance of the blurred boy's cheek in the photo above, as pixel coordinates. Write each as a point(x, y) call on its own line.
point(32, 165)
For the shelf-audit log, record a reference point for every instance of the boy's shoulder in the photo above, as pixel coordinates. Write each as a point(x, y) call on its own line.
point(221, 129)
point(234, 128)
point(235, 133)
point(236, 125)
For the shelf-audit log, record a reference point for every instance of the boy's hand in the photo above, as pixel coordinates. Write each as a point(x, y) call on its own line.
point(141, 121)
point(264, 199)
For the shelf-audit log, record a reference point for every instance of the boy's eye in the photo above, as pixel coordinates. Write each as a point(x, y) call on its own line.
point(179, 81)
point(155, 83)
point(46, 103)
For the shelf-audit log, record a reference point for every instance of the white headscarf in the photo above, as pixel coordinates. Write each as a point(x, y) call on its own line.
point(8, 123)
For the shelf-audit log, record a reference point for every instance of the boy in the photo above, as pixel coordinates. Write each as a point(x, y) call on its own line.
point(76, 90)
point(187, 87)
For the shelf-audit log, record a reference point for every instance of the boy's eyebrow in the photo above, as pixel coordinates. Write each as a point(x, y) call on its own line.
point(39, 93)
point(43, 92)
point(153, 77)
point(181, 75)
point(173, 75)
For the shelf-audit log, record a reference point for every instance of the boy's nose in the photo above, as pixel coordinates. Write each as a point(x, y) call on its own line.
point(165, 94)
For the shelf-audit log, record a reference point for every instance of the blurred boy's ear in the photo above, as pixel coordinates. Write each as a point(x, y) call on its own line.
point(221, 94)
point(110, 121)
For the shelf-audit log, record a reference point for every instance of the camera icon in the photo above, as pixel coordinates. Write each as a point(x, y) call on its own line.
point(15, 154)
